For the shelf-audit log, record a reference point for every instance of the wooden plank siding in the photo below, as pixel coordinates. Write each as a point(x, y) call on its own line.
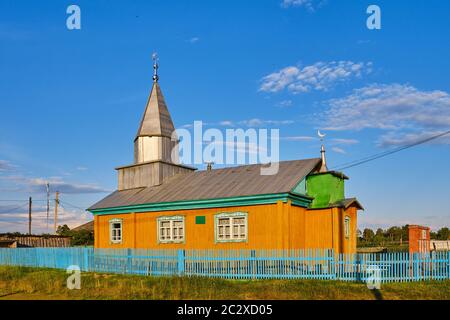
point(270, 226)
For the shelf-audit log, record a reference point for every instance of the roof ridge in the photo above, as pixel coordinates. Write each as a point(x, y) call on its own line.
point(254, 165)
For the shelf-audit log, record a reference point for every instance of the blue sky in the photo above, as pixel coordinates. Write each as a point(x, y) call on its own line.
point(71, 101)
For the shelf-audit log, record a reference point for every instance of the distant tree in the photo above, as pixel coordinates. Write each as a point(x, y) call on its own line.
point(394, 233)
point(82, 238)
point(443, 234)
point(379, 237)
point(368, 234)
point(379, 232)
point(78, 238)
point(63, 230)
point(405, 232)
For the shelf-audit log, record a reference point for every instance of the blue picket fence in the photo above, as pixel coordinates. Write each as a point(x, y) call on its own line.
point(239, 264)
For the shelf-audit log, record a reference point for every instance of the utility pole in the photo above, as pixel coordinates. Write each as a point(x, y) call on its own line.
point(48, 202)
point(56, 210)
point(30, 202)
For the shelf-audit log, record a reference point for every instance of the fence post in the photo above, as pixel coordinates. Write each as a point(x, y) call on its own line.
point(448, 264)
point(129, 262)
point(181, 261)
point(86, 258)
point(253, 263)
point(358, 267)
point(333, 270)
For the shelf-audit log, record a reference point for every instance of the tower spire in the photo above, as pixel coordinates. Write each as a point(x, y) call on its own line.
point(323, 167)
point(155, 67)
point(153, 140)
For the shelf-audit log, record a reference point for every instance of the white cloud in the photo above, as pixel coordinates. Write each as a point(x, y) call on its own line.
point(393, 106)
point(338, 150)
point(17, 221)
point(334, 142)
point(240, 147)
point(226, 123)
point(36, 185)
point(57, 184)
point(193, 40)
point(6, 166)
point(395, 138)
point(404, 112)
point(255, 122)
point(320, 76)
point(344, 141)
point(284, 104)
point(299, 138)
point(310, 5)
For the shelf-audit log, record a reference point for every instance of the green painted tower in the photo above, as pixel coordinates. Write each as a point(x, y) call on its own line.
point(327, 188)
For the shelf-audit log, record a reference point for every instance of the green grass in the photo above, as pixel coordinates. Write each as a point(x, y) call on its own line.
point(32, 283)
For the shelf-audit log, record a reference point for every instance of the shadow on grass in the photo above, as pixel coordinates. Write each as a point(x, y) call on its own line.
point(377, 294)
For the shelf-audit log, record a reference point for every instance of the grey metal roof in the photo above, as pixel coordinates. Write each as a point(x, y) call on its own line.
point(89, 226)
point(218, 183)
point(156, 120)
point(345, 203)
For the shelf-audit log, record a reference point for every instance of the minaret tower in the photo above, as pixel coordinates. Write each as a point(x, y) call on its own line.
point(154, 139)
point(155, 145)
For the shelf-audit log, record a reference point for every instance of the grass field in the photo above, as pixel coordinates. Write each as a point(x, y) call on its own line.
point(31, 283)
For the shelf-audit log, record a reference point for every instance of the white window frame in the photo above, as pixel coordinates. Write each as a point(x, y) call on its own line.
point(231, 216)
point(171, 219)
point(424, 234)
point(112, 239)
point(347, 226)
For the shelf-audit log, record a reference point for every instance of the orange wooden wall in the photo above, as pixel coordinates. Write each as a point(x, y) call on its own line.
point(270, 226)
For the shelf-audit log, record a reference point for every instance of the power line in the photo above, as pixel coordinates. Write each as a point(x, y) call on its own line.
point(17, 200)
point(62, 206)
point(12, 222)
point(72, 205)
point(13, 209)
point(386, 153)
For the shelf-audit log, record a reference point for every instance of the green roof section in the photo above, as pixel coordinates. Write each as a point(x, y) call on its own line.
point(326, 188)
point(300, 188)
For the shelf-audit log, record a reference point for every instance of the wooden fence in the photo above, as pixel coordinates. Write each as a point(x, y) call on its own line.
point(49, 241)
point(240, 264)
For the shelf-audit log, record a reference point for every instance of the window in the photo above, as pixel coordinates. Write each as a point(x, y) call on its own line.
point(171, 229)
point(115, 230)
point(347, 227)
point(231, 227)
point(424, 234)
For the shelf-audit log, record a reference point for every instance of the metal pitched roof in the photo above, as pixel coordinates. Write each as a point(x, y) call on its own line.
point(345, 203)
point(156, 120)
point(218, 183)
point(89, 226)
